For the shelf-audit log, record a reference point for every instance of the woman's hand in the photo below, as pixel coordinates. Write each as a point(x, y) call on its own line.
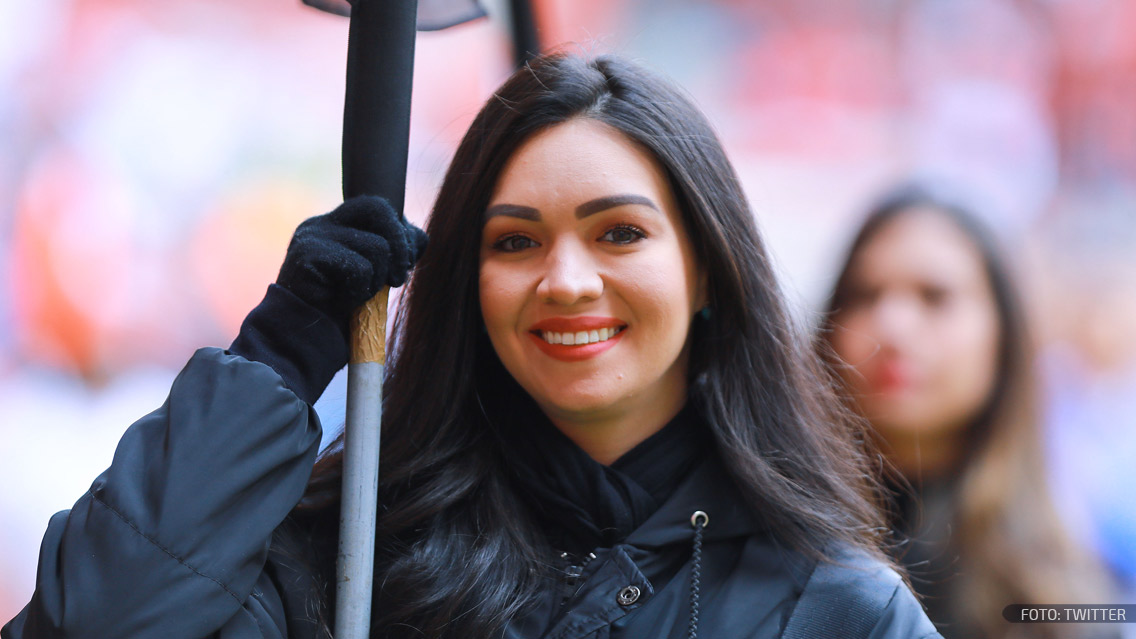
point(339, 260)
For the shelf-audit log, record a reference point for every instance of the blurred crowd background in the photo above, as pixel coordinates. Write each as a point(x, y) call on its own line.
point(155, 157)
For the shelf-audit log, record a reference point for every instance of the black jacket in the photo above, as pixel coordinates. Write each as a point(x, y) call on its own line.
point(173, 539)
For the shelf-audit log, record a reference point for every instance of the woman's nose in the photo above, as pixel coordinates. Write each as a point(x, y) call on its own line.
point(571, 275)
point(896, 319)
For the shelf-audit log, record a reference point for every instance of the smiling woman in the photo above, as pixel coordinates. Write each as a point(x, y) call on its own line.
point(598, 419)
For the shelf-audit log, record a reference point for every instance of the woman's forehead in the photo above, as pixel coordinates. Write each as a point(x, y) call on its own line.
point(580, 158)
point(922, 243)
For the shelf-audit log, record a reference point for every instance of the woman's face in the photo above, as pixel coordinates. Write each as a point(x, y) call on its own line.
point(919, 327)
point(588, 280)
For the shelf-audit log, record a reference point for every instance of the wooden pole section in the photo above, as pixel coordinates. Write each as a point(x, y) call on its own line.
point(376, 139)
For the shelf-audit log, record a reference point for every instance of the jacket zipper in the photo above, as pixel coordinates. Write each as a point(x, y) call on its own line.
point(574, 569)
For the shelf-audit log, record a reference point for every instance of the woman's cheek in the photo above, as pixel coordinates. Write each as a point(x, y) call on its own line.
point(852, 341)
point(969, 354)
point(497, 310)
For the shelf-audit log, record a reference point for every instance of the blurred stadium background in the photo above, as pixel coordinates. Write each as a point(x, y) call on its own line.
point(155, 157)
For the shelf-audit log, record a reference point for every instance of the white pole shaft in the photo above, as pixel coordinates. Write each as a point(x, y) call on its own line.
point(359, 504)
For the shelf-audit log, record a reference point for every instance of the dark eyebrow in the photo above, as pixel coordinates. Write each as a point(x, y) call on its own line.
point(512, 210)
point(590, 207)
point(611, 201)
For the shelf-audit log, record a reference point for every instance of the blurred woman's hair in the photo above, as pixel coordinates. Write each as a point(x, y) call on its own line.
point(1011, 542)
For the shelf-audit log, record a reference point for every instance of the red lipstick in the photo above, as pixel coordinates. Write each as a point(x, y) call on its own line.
point(892, 376)
point(576, 353)
point(576, 324)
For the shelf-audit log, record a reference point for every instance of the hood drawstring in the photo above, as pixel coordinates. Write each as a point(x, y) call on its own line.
point(699, 520)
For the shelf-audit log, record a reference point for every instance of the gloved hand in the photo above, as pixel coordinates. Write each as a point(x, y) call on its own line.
point(339, 260)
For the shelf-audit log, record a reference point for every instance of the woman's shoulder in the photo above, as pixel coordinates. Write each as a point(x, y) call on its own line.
point(854, 594)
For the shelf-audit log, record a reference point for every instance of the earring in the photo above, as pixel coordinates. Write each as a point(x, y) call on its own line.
point(705, 312)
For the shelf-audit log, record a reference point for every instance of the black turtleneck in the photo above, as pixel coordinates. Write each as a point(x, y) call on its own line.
point(583, 504)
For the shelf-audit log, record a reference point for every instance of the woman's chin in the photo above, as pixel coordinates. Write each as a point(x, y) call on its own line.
point(580, 402)
point(579, 408)
point(902, 420)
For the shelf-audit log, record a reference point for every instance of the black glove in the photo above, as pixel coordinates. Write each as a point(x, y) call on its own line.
point(334, 263)
point(338, 261)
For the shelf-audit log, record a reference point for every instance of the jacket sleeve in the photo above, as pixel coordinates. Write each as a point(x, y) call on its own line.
point(171, 540)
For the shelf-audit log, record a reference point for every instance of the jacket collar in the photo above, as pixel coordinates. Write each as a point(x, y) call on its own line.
point(710, 490)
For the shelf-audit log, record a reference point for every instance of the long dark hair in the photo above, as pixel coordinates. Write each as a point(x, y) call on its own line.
point(457, 553)
point(1011, 544)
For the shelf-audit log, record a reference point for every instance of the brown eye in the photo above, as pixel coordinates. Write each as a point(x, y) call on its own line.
point(513, 243)
point(934, 296)
point(859, 297)
point(623, 234)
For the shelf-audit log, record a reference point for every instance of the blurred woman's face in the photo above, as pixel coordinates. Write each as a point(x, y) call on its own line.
point(919, 327)
point(588, 280)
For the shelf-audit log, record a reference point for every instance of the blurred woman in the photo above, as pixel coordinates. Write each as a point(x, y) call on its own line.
point(929, 338)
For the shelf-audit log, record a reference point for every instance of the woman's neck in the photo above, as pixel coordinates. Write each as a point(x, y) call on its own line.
point(926, 456)
point(605, 435)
